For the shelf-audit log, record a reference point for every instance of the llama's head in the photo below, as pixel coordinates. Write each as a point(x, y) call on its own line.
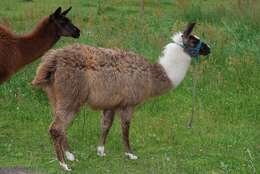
point(192, 44)
point(63, 24)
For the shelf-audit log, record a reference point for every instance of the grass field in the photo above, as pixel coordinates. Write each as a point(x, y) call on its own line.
point(225, 137)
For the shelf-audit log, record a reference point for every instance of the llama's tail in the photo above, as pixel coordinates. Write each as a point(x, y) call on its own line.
point(45, 72)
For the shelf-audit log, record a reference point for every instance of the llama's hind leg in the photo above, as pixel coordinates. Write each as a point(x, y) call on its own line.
point(64, 142)
point(52, 98)
point(58, 134)
point(69, 90)
point(68, 154)
point(126, 117)
point(106, 123)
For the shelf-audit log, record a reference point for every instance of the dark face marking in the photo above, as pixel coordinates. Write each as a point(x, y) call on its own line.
point(64, 24)
point(205, 49)
point(192, 42)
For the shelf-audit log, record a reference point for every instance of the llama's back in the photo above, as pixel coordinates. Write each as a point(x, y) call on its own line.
point(116, 77)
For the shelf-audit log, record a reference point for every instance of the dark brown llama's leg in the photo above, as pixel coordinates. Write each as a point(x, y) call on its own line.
point(126, 116)
point(106, 123)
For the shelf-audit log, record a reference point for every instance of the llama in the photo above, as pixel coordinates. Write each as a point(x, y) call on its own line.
point(18, 51)
point(111, 80)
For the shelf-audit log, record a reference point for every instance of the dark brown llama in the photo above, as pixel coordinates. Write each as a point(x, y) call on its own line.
point(111, 80)
point(18, 51)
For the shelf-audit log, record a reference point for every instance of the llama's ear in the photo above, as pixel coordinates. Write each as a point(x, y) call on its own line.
point(66, 11)
point(57, 11)
point(188, 29)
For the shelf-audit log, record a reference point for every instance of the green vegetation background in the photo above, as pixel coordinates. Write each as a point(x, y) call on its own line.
point(226, 133)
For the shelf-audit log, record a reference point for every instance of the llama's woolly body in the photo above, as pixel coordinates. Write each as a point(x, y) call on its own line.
point(104, 78)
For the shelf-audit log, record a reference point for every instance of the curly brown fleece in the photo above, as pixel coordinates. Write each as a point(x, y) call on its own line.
point(104, 78)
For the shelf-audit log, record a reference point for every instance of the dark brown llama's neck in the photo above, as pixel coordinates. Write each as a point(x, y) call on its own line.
point(160, 81)
point(35, 44)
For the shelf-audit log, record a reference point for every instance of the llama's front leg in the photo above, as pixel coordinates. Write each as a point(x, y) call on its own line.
point(106, 123)
point(126, 116)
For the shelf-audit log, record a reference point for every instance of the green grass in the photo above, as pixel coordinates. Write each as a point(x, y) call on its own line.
point(227, 123)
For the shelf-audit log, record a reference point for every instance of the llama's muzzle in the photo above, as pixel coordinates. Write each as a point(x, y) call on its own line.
point(76, 33)
point(205, 49)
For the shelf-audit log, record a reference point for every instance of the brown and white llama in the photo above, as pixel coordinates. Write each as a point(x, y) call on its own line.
point(18, 51)
point(111, 80)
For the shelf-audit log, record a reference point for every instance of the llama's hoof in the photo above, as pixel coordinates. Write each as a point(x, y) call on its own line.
point(64, 166)
point(69, 156)
point(101, 151)
point(131, 156)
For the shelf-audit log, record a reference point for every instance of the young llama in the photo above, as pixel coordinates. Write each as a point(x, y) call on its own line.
point(18, 51)
point(111, 80)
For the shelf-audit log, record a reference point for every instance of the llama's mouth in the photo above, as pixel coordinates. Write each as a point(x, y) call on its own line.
point(76, 35)
point(205, 49)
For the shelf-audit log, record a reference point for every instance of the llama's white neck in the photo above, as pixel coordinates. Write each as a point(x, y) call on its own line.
point(175, 61)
